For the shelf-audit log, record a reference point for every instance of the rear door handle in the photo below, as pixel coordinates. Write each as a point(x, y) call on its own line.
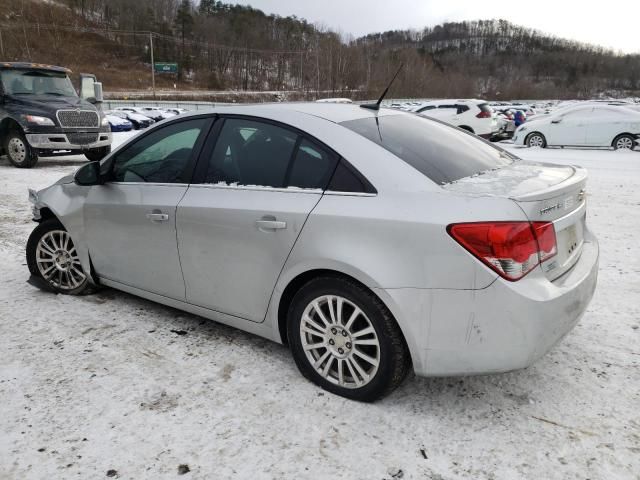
point(158, 217)
point(271, 225)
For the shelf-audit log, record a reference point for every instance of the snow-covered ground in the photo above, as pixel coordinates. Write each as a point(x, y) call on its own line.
point(111, 382)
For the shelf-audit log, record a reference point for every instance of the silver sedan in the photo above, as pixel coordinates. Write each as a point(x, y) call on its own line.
point(371, 242)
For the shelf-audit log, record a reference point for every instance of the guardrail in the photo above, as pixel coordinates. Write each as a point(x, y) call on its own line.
point(187, 105)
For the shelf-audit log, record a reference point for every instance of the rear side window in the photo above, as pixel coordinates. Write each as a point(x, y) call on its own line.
point(462, 108)
point(312, 166)
point(485, 107)
point(249, 152)
point(438, 151)
point(347, 179)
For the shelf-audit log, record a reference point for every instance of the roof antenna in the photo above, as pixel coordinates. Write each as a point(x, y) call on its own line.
point(376, 106)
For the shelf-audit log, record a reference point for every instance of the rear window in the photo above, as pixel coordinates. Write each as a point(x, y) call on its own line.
point(485, 107)
point(438, 151)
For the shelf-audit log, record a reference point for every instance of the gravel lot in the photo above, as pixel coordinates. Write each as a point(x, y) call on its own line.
point(109, 385)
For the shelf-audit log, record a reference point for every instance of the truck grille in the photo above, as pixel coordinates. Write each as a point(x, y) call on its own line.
point(82, 138)
point(78, 118)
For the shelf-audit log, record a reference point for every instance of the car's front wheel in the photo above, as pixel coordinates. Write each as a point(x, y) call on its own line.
point(624, 142)
point(536, 139)
point(18, 150)
point(344, 339)
point(52, 256)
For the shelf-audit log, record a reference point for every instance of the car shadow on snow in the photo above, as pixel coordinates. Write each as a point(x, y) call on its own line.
point(471, 392)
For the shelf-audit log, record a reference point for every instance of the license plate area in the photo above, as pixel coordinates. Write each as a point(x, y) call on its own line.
point(569, 240)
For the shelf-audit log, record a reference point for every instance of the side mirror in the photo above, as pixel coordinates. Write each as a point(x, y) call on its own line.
point(97, 89)
point(90, 88)
point(89, 174)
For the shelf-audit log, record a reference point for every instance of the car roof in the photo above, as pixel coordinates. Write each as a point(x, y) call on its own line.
point(333, 112)
point(33, 66)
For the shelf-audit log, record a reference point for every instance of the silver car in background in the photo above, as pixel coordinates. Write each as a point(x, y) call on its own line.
point(371, 242)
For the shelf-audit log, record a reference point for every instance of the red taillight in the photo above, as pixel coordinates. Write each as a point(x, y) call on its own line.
point(483, 114)
point(512, 249)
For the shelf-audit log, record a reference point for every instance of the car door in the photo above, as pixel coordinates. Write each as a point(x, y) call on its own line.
point(131, 219)
point(257, 183)
point(569, 129)
point(603, 125)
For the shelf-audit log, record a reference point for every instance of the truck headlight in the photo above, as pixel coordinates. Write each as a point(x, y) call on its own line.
point(104, 122)
point(37, 120)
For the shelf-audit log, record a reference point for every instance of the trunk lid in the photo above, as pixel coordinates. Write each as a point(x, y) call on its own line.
point(545, 192)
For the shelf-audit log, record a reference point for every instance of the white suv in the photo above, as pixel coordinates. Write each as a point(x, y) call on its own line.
point(476, 116)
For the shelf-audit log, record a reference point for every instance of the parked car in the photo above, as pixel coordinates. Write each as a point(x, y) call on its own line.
point(590, 125)
point(335, 100)
point(151, 112)
point(117, 123)
point(364, 239)
point(42, 115)
point(137, 120)
point(475, 116)
point(506, 125)
point(172, 112)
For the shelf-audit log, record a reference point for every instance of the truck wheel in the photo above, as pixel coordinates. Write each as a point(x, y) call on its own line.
point(97, 154)
point(18, 150)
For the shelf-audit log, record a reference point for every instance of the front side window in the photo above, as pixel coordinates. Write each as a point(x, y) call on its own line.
point(251, 153)
point(160, 157)
point(436, 150)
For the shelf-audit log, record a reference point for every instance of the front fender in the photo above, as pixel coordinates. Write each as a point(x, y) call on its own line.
point(66, 201)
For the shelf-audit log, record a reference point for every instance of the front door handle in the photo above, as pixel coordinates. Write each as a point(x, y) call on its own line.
point(268, 224)
point(158, 217)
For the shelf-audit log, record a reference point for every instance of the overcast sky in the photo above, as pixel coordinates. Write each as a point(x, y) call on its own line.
point(611, 23)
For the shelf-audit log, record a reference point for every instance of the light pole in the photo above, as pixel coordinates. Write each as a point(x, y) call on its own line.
point(153, 66)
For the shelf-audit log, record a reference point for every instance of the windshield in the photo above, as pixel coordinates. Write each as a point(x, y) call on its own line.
point(36, 82)
point(440, 152)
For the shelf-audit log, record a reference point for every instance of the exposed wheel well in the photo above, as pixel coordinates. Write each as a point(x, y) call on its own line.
point(626, 134)
point(295, 285)
point(46, 214)
point(6, 126)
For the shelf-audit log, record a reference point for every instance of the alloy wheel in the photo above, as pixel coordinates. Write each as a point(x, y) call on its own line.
point(624, 143)
point(58, 261)
point(340, 341)
point(536, 141)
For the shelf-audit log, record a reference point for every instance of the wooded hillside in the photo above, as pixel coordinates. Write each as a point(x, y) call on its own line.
point(221, 46)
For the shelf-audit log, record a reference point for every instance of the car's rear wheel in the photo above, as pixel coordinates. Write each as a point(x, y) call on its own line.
point(345, 340)
point(96, 154)
point(624, 142)
point(18, 150)
point(52, 256)
point(536, 139)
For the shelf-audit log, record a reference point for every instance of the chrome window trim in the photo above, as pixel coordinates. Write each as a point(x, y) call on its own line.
point(350, 194)
point(149, 183)
point(257, 188)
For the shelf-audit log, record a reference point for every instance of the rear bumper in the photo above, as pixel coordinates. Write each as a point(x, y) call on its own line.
point(60, 141)
point(506, 326)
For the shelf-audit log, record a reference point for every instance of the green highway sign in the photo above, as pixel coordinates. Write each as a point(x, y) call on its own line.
point(163, 67)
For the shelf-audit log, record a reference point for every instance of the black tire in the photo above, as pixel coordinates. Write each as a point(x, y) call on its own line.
point(530, 141)
point(18, 150)
point(394, 360)
point(97, 154)
point(45, 227)
point(624, 142)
